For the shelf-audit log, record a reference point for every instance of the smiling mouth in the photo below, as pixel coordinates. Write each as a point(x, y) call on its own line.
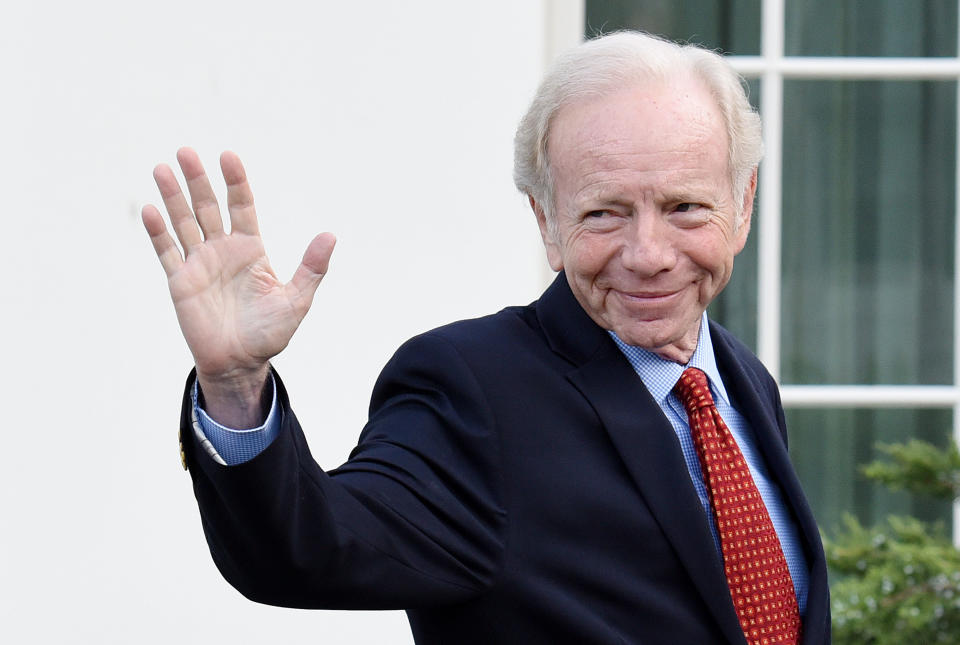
point(647, 296)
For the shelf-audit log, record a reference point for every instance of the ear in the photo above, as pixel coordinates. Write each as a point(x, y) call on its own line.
point(554, 257)
point(740, 239)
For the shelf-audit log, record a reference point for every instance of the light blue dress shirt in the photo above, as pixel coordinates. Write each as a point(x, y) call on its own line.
point(230, 447)
point(659, 376)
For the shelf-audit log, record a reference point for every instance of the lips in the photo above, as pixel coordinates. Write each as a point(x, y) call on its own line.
point(648, 305)
point(647, 296)
point(651, 294)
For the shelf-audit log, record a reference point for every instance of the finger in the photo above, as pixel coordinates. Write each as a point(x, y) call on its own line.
point(163, 244)
point(181, 217)
point(307, 277)
point(243, 216)
point(202, 197)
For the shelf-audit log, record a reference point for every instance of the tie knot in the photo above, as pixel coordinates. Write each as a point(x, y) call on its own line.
point(693, 390)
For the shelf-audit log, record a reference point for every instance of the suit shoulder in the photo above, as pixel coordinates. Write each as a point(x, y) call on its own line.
point(479, 350)
point(504, 328)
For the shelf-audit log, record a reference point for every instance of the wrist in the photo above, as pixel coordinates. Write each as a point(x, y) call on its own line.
point(237, 400)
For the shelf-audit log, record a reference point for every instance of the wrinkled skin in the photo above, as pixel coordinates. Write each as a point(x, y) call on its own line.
point(646, 221)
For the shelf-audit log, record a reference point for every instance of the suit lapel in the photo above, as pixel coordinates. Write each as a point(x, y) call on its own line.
point(645, 441)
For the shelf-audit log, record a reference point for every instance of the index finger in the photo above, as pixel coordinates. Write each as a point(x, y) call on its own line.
point(243, 215)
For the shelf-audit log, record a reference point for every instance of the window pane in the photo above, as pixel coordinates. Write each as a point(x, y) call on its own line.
point(732, 26)
point(828, 447)
point(868, 217)
point(874, 28)
point(736, 306)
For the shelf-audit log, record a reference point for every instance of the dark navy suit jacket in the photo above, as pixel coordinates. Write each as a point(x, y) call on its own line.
point(516, 483)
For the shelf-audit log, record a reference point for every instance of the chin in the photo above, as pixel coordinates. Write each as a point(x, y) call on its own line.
point(652, 335)
point(647, 339)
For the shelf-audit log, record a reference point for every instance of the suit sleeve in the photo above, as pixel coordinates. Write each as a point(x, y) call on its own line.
point(413, 519)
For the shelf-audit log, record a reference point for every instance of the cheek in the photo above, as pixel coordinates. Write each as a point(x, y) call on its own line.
point(713, 250)
point(716, 262)
point(588, 255)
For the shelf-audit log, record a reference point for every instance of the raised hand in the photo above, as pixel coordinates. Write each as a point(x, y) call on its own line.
point(233, 311)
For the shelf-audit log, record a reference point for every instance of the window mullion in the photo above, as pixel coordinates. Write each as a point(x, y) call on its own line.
point(956, 293)
point(768, 243)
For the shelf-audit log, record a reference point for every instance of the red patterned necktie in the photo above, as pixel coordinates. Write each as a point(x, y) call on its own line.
point(757, 572)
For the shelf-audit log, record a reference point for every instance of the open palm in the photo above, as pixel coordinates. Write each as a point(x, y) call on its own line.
point(233, 311)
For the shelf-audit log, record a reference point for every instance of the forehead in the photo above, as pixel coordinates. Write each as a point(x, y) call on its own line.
point(671, 130)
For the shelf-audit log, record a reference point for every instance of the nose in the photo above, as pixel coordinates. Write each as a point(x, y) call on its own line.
point(648, 248)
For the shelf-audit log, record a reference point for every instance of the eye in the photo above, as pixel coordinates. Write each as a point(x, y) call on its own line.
point(602, 220)
point(690, 214)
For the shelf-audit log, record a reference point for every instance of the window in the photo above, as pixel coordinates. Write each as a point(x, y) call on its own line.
point(847, 287)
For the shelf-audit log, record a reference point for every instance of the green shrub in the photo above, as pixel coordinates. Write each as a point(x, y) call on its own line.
point(900, 582)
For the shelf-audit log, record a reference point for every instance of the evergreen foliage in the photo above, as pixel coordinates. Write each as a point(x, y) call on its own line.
point(919, 467)
point(899, 582)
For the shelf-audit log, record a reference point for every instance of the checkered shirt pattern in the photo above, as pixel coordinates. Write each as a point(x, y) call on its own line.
point(227, 446)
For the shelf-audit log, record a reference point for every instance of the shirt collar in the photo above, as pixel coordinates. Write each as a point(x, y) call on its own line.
point(660, 375)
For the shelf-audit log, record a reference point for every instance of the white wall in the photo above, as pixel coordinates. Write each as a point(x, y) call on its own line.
point(389, 123)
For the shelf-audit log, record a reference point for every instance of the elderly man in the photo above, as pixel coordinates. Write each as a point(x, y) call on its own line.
point(604, 465)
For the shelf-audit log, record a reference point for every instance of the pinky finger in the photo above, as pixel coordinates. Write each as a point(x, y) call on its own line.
point(166, 249)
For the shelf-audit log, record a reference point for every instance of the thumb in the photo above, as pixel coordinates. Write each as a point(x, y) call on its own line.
point(316, 261)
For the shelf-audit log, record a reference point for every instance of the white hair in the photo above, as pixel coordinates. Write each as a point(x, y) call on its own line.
point(608, 63)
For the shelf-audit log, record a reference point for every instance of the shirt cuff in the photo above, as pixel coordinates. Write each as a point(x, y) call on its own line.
point(228, 446)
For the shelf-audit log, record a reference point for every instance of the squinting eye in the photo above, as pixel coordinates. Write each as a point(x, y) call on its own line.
point(690, 214)
point(596, 213)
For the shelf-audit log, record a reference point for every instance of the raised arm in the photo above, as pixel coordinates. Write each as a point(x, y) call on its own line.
point(233, 311)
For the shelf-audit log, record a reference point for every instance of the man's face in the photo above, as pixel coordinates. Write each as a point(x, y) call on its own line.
point(645, 213)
